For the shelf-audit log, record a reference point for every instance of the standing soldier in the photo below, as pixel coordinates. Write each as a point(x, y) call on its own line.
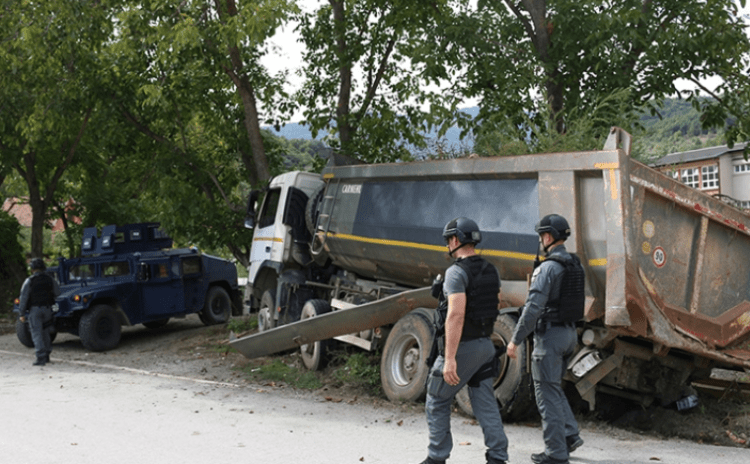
point(465, 352)
point(38, 294)
point(554, 304)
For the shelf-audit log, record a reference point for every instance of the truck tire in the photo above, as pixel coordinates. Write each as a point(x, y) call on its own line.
point(311, 210)
point(514, 387)
point(99, 328)
point(403, 371)
point(315, 355)
point(23, 332)
point(266, 310)
point(217, 308)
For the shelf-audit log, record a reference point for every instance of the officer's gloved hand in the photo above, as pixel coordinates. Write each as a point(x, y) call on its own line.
point(437, 286)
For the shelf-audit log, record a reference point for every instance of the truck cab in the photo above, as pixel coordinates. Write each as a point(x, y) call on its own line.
point(281, 234)
point(131, 275)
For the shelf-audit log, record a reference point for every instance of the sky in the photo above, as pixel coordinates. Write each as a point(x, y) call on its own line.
point(289, 53)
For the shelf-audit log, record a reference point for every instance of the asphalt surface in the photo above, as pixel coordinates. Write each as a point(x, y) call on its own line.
point(74, 411)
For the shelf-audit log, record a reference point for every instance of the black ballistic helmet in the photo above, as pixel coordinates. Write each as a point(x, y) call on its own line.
point(37, 263)
point(465, 229)
point(555, 225)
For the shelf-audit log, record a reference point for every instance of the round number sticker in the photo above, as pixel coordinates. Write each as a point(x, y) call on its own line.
point(660, 256)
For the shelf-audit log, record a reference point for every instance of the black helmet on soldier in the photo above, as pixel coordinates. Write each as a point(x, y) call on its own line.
point(37, 264)
point(555, 225)
point(466, 230)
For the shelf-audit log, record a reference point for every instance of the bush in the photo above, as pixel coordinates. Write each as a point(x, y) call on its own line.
point(13, 271)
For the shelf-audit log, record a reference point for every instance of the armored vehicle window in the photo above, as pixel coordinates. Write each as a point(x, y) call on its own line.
point(161, 271)
point(115, 269)
point(80, 272)
point(191, 265)
point(270, 205)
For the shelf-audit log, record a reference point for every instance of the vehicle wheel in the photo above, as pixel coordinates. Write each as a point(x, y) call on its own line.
point(266, 310)
point(514, 388)
point(311, 209)
point(315, 355)
point(217, 308)
point(23, 332)
point(156, 324)
point(99, 328)
point(403, 371)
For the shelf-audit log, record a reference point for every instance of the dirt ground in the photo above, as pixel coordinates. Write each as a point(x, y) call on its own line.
point(187, 348)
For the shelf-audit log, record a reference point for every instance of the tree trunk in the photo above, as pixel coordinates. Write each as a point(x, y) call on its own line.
point(247, 95)
point(540, 32)
point(345, 75)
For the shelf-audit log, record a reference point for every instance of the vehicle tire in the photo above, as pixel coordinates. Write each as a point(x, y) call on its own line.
point(315, 355)
point(99, 328)
point(311, 210)
point(514, 387)
point(266, 310)
point(23, 332)
point(156, 324)
point(403, 371)
point(217, 308)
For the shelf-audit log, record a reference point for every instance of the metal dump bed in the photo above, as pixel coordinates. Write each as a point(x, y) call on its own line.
point(665, 263)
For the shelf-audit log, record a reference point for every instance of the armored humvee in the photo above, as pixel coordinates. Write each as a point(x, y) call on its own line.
point(131, 275)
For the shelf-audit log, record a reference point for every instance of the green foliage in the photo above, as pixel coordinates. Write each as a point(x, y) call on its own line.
point(586, 129)
point(576, 53)
point(278, 371)
point(359, 369)
point(239, 325)
point(380, 116)
point(13, 269)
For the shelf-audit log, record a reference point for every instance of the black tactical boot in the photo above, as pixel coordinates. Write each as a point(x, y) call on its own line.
point(544, 458)
point(429, 460)
point(40, 361)
point(574, 442)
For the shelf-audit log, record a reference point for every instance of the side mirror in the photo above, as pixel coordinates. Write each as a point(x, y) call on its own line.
point(250, 212)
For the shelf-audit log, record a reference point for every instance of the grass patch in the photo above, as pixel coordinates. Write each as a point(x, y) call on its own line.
point(277, 371)
point(360, 369)
point(242, 324)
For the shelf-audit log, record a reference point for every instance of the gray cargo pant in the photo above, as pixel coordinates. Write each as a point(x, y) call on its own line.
point(38, 316)
point(549, 362)
point(471, 355)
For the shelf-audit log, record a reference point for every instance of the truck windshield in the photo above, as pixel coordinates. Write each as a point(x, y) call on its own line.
point(270, 205)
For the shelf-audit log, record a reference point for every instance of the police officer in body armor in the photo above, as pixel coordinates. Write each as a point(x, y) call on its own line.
point(464, 322)
point(554, 303)
point(38, 294)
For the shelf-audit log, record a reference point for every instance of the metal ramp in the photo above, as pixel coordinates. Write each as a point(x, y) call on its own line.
point(363, 317)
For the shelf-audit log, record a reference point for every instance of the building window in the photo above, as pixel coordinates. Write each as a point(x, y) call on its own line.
point(709, 177)
point(738, 168)
point(691, 177)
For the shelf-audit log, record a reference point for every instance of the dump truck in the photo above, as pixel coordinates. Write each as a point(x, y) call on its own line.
point(350, 254)
point(130, 274)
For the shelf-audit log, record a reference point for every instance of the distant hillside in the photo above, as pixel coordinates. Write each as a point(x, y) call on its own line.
point(294, 131)
point(677, 128)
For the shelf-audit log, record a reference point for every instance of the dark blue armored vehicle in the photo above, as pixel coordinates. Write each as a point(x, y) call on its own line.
point(130, 275)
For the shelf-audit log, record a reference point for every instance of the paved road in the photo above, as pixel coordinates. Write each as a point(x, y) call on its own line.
point(80, 412)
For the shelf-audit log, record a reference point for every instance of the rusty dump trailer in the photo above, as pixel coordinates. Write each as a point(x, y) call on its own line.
point(667, 275)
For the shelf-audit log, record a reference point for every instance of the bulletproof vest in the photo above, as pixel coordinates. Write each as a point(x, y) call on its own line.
point(41, 290)
point(568, 306)
point(481, 297)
